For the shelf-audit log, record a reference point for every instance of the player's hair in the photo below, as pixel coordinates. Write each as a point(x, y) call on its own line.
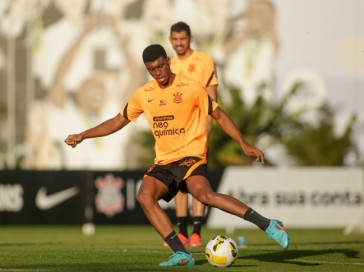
point(153, 52)
point(181, 26)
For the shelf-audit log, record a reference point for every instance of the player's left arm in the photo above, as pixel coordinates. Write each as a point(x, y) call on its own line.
point(211, 83)
point(231, 129)
point(212, 92)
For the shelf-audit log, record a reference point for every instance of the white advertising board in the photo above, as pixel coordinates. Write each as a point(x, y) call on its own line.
point(299, 197)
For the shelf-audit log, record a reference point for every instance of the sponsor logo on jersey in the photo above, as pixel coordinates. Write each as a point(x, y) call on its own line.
point(182, 84)
point(162, 102)
point(149, 89)
point(163, 118)
point(162, 129)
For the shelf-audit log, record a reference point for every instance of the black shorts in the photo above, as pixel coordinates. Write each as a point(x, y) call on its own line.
point(174, 175)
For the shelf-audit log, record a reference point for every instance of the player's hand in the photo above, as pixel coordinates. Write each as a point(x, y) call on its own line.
point(74, 140)
point(252, 151)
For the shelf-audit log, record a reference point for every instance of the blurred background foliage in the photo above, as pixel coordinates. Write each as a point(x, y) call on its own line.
point(2, 135)
point(266, 124)
point(319, 145)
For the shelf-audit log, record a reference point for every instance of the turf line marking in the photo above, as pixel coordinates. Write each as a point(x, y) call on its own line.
point(24, 269)
point(323, 262)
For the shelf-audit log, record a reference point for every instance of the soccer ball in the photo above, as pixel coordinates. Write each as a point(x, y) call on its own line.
point(221, 251)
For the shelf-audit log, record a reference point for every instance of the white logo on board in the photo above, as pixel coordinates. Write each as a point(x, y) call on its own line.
point(46, 202)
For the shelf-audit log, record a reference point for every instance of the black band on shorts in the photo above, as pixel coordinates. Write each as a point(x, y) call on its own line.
point(174, 175)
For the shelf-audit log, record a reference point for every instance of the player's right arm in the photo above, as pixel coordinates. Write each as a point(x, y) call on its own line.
point(108, 127)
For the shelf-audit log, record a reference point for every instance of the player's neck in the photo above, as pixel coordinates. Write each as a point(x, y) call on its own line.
point(186, 55)
point(170, 81)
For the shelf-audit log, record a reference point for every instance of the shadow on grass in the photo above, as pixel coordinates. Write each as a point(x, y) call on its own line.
point(28, 244)
point(201, 262)
point(292, 244)
point(291, 256)
point(332, 243)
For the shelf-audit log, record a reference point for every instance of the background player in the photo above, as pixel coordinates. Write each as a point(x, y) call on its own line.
point(200, 67)
point(176, 108)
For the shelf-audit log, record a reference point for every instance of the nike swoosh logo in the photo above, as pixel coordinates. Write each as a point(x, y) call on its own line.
point(281, 228)
point(183, 261)
point(150, 100)
point(46, 202)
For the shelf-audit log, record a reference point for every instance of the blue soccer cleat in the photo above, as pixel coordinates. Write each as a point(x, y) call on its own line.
point(179, 258)
point(277, 232)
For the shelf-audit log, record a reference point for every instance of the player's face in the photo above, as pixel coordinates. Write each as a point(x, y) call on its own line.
point(180, 42)
point(160, 70)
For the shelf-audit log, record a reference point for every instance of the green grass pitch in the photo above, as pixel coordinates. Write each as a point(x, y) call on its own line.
point(139, 248)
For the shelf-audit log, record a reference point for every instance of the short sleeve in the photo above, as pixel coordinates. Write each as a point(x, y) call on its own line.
point(204, 101)
point(133, 108)
point(210, 74)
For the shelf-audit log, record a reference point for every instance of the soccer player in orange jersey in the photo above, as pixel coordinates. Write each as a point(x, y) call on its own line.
point(176, 108)
point(200, 67)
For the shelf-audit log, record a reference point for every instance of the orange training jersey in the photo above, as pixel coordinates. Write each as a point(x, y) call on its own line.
point(176, 115)
point(199, 66)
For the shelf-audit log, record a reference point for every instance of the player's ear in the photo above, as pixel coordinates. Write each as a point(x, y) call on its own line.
point(191, 38)
point(169, 60)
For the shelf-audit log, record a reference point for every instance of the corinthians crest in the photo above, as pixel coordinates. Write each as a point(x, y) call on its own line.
point(109, 199)
point(191, 67)
point(177, 98)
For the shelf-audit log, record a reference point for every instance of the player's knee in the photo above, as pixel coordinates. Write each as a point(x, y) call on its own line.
point(144, 199)
point(206, 198)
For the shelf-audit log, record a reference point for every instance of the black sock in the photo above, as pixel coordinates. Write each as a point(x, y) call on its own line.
point(182, 225)
point(174, 242)
point(197, 224)
point(255, 218)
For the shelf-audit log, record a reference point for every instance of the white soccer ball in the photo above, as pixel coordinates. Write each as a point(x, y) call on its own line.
point(221, 251)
